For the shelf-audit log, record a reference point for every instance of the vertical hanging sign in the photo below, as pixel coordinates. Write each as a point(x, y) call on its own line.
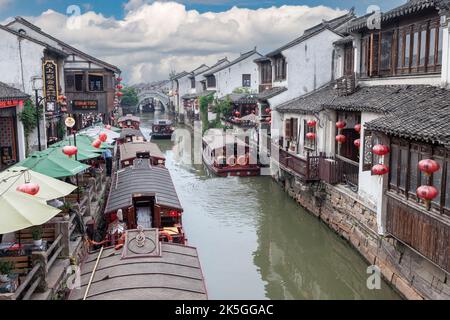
point(51, 85)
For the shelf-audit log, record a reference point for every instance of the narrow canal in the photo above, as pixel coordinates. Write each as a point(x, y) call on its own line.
point(255, 242)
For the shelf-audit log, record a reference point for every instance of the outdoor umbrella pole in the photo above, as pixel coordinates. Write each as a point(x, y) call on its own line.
point(76, 159)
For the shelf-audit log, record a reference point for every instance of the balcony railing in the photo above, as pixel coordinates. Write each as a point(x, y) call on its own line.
point(306, 168)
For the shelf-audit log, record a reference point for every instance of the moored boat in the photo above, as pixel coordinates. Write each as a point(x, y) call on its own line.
point(143, 195)
point(162, 129)
point(130, 135)
point(130, 151)
point(129, 121)
point(227, 155)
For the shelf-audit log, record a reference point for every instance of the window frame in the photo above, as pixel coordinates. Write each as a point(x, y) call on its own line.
point(102, 83)
point(247, 80)
point(424, 151)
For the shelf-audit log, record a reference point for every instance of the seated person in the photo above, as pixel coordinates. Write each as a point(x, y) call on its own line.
point(117, 228)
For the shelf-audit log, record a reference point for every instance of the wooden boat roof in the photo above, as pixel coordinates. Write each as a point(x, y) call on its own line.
point(167, 272)
point(130, 132)
point(130, 149)
point(129, 117)
point(142, 178)
point(162, 123)
point(219, 141)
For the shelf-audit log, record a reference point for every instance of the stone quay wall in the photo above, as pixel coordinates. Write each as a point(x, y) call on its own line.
point(413, 276)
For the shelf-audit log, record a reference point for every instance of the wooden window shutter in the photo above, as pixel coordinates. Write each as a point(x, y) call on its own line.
point(288, 127)
point(70, 81)
point(295, 128)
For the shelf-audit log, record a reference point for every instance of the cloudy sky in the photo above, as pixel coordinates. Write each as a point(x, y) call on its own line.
point(147, 39)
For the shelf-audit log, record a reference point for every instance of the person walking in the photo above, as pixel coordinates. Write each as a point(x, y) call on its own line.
point(107, 155)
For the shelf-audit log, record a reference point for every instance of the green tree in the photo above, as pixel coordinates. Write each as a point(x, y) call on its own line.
point(204, 106)
point(130, 97)
point(28, 118)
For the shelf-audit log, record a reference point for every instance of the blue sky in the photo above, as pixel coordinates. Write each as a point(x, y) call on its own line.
point(116, 7)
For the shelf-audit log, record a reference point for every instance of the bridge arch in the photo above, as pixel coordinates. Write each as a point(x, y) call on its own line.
point(145, 96)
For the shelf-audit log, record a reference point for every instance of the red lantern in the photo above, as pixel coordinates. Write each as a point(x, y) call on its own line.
point(341, 124)
point(311, 123)
point(103, 137)
point(380, 150)
point(29, 188)
point(97, 143)
point(70, 151)
point(311, 136)
point(119, 94)
point(340, 138)
point(429, 166)
point(269, 120)
point(174, 214)
point(358, 128)
point(380, 169)
point(357, 143)
point(237, 113)
point(119, 87)
point(427, 193)
point(268, 110)
point(119, 79)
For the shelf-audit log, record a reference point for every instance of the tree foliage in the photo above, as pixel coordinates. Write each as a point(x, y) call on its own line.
point(28, 117)
point(130, 97)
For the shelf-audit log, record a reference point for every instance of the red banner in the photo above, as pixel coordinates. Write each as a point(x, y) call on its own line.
point(10, 103)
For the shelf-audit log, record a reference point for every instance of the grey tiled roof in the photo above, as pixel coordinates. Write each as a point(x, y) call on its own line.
point(309, 103)
point(8, 92)
point(415, 111)
point(426, 116)
point(242, 57)
point(189, 96)
point(410, 7)
point(332, 25)
point(142, 178)
point(267, 94)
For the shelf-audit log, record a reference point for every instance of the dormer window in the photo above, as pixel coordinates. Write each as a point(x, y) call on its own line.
point(192, 83)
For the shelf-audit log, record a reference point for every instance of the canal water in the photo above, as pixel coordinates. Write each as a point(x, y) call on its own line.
point(255, 242)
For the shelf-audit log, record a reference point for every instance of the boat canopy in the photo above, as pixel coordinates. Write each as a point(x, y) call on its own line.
point(126, 132)
point(142, 272)
point(142, 178)
point(215, 141)
point(131, 149)
point(130, 117)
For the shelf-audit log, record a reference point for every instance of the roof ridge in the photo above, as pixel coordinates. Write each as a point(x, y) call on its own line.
point(60, 42)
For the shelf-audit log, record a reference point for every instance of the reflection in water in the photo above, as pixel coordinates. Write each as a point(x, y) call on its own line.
point(255, 242)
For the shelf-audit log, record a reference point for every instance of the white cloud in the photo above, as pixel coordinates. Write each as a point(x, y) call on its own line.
point(154, 38)
point(4, 3)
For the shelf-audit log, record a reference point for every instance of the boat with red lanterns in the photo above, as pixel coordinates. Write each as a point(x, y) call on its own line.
point(144, 196)
point(129, 121)
point(228, 155)
point(162, 129)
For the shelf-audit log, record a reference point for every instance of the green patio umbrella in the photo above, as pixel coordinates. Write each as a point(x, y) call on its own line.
point(82, 154)
point(51, 165)
point(84, 139)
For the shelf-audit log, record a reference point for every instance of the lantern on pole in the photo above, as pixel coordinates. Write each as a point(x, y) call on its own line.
point(311, 136)
point(358, 128)
point(357, 143)
point(341, 125)
point(311, 123)
point(97, 143)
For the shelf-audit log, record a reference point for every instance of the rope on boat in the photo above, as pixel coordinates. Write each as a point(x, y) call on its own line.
point(93, 274)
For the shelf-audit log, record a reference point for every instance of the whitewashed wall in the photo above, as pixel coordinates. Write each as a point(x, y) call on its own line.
point(20, 61)
point(309, 66)
point(230, 78)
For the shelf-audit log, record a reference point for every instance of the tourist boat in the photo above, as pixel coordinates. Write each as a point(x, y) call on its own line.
point(130, 135)
point(143, 195)
point(162, 129)
point(221, 156)
point(129, 121)
point(130, 151)
point(141, 267)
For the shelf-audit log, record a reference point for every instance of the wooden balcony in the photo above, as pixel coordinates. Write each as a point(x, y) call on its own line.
point(335, 170)
point(427, 232)
point(307, 169)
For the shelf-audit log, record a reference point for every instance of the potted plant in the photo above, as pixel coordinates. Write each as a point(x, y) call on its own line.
point(66, 209)
point(6, 267)
point(36, 233)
